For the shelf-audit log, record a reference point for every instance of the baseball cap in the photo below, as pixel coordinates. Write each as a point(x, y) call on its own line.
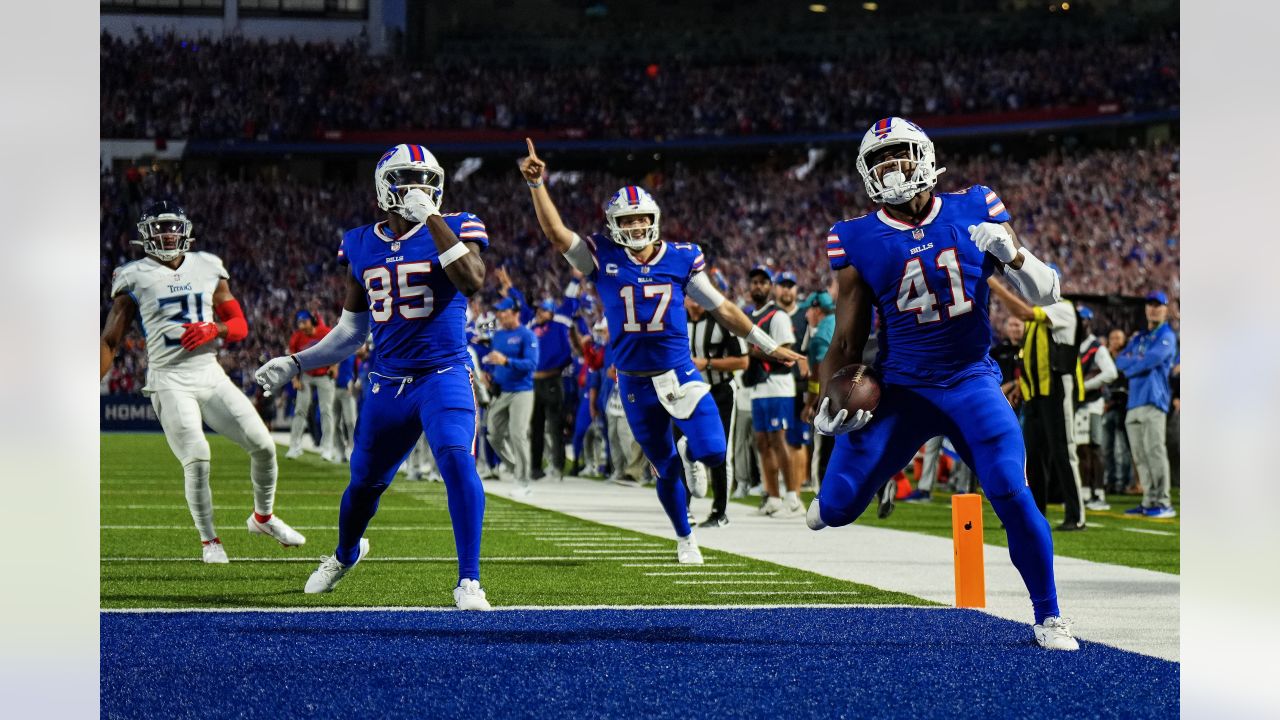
point(1086, 313)
point(761, 270)
point(505, 303)
point(304, 315)
point(1157, 296)
point(821, 299)
point(786, 276)
point(548, 305)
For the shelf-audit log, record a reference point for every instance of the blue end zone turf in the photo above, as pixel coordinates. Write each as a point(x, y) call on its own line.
point(787, 662)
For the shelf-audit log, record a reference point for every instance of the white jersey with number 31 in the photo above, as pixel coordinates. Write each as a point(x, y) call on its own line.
point(166, 299)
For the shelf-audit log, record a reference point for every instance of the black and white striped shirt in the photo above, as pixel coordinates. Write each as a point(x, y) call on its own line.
point(708, 339)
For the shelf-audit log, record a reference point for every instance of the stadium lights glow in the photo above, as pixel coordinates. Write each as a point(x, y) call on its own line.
point(870, 6)
point(1066, 6)
point(817, 8)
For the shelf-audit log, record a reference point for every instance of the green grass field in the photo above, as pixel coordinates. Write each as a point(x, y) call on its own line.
point(1111, 537)
point(150, 549)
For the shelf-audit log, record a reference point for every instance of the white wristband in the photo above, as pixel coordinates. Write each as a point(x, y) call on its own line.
point(453, 253)
point(762, 340)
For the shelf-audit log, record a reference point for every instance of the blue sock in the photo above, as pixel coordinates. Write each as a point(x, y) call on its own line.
point(672, 495)
point(359, 504)
point(466, 507)
point(1030, 549)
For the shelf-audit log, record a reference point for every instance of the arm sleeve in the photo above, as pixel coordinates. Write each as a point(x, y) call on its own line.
point(232, 316)
point(1059, 314)
point(703, 292)
point(580, 256)
point(342, 341)
point(1034, 280)
point(1106, 371)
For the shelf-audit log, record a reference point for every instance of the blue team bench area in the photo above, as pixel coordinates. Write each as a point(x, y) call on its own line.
point(790, 662)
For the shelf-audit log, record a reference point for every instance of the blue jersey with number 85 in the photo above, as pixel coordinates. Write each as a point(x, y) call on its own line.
point(417, 317)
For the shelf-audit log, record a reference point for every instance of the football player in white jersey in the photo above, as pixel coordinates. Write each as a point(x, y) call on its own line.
point(185, 306)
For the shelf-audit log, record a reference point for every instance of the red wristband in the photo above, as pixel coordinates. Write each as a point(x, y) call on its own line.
point(232, 316)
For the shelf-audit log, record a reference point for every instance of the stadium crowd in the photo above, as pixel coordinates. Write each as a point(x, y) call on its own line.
point(165, 86)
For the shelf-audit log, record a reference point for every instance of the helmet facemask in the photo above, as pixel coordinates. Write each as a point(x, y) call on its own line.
point(633, 237)
point(896, 180)
point(164, 237)
point(393, 181)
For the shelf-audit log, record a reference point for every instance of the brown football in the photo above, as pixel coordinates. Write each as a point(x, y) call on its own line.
point(853, 388)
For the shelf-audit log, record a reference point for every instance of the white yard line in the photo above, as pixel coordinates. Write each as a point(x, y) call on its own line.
point(1129, 608)
point(742, 582)
point(706, 572)
point(1148, 532)
point(783, 592)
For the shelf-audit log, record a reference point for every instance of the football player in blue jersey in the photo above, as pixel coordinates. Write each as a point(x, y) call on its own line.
point(410, 278)
point(922, 260)
point(642, 282)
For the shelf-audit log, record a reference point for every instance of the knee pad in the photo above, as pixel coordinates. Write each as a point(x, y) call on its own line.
point(670, 468)
point(1006, 481)
point(196, 451)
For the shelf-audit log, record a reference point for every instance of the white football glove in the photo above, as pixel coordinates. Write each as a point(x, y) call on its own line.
point(275, 373)
point(418, 205)
point(842, 423)
point(995, 239)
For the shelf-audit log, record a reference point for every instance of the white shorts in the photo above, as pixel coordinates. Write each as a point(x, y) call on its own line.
point(184, 399)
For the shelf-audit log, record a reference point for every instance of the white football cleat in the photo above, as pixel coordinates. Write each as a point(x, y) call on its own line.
point(213, 553)
point(331, 455)
point(294, 453)
point(687, 552)
point(814, 517)
point(277, 529)
point(331, 571)
point(1055, 634)
point(772, 506)
point(694, 472)
point(469, 596)
point(522, 489)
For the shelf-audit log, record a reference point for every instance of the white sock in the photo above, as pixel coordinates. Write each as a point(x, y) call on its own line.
point(199, 497)
point(262, 470)
point(792, 496)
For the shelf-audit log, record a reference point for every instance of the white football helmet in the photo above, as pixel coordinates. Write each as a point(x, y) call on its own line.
point(403, 168)
point(893, 186)
point(632, 200)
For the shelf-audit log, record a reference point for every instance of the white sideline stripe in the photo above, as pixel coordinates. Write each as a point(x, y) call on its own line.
point(289, 508)
point(741, 582)
point(1148, 532)
point(784, 592)
point(528, 608)
point(667, 565)
point(703, 572)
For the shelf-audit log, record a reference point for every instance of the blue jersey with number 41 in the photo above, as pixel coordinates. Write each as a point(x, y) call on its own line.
point(644, 302)
point(418, 318)
point(929, 282)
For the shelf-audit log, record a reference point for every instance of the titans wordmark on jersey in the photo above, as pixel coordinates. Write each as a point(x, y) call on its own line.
point(418, 317)
point(644, 302)
point(167, 298)
point(929, 282)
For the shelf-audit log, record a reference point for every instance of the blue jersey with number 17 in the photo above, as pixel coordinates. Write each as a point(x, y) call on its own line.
point(929, 282)
point(418, 318)
point(644, 302)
